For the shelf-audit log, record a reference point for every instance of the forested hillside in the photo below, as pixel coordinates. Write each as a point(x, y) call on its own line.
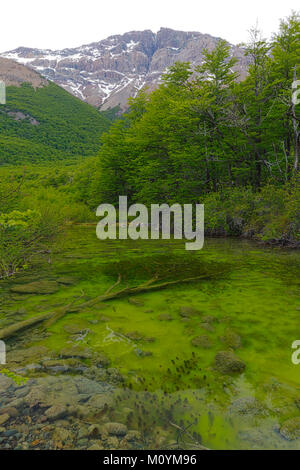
point(203, 137)
point(47, 123)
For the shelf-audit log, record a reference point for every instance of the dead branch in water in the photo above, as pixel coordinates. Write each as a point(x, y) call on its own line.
point(51, 317)
point(182, 432)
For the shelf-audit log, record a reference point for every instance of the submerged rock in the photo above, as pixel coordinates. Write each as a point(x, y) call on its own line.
point(56, 412)
point(231, 339)
point(67, 281)
point(227, 362)
point(209, 319)
point(76, 352)
point(27, 355)
point(187, 312)
point(207, 326)
point(134, 335)
point(248, 406)
point(3, 418)
point(290, 429)
point(115, 429)
point(141, 353)
point(137, 302)
point(37, 287)
point(73, 328)
point(165, 317)
point(202, 341)
point(100, 401)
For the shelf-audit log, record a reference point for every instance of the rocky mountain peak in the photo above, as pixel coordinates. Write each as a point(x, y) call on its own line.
point(108, 72)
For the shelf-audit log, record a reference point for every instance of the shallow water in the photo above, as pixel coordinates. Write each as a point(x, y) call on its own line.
point(247, 291)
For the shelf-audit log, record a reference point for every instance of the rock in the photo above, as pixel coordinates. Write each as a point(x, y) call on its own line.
point(290, 429)
point(67, 281)
point(96, 447)
point(209, 319)
point(100, 401)
point(227, 362)
point(73, 328)
point(207, 326)
point(10, 410)
point(141, 353)
point(202, 341)
point(94, 430)
point(37, 287)
point(248, 406)
point(27, 355)
point(3, 418)
point(133, 436)
point(134, 335)
point(114, 375)
point(104, 319)
point(187, 312)
point(102, 361)
point(165, 317)
point(62, 435)
point(56, 412)
point(231, 339)
point(5, 383)
point(137, 302)
point(115, 429)
point(37, 395)
point(82, 442)
point(112, 442)
point(76, 352)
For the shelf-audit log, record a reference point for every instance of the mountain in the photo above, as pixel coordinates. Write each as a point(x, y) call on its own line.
point(107, 73)
point(41, 121)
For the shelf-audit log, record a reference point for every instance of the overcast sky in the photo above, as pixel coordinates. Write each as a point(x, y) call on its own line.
point(57, 24)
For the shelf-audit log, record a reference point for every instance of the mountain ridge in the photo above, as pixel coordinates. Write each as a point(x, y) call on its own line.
point(106, 73)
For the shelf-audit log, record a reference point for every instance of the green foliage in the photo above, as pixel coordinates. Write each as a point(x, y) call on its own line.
point(23, 235)
point(52, 125)
point(202, 131)
point(18, 379)
point(273, 214)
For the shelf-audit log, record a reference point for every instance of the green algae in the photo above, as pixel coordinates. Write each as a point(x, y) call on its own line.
point(249, 290)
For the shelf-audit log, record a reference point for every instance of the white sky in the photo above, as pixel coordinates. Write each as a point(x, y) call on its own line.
point(57, 24)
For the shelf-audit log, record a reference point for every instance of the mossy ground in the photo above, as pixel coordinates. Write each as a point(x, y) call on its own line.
point(251, 291)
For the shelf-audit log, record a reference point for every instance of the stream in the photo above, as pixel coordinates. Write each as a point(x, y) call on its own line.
point(204, 364)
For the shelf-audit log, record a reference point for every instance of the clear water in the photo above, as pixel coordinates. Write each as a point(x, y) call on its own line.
point(248, 290)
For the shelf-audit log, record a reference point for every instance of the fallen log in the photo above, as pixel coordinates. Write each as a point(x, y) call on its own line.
point(51, 317)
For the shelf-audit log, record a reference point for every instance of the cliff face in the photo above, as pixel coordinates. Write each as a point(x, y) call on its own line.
point(107, 73)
